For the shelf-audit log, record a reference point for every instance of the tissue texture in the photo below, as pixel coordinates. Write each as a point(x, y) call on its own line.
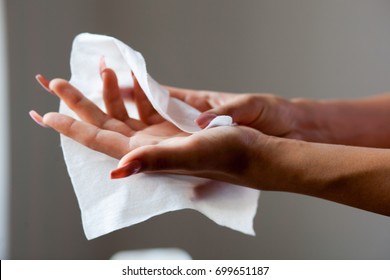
point(107, 205)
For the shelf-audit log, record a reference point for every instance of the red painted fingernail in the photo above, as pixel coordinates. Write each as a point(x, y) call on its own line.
point(204, 119)
point(129, 169)
point(37, 118)
point(134, 78)
point(44, 83)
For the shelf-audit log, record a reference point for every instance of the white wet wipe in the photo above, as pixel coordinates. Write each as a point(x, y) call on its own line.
point(107, 205)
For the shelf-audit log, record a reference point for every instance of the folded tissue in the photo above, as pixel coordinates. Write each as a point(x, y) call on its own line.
point(107, 205)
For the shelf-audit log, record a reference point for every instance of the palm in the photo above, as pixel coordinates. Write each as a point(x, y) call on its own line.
point(154, 134)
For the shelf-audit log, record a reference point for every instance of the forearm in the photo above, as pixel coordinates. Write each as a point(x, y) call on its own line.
point(361, 122)
point(355, 176)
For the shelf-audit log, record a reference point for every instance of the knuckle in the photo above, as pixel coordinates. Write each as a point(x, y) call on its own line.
point(93, 140)
point(76, 100)
point(70, 128)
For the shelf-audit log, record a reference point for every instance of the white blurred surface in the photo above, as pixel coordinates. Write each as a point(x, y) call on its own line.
point(152, 254)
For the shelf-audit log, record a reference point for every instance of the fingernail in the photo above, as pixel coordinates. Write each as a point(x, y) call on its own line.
point(204, 119)
point(37, 118)
point(102, 65)
point(44, 83)
point(127, 170)
point(135, 81)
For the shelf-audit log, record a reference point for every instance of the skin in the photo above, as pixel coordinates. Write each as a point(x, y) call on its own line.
point(265, 150)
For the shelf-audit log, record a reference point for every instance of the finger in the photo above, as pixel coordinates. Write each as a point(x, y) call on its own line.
point(125, 92)
point(37, 118)
point(113, 100)
point(154, 158)
point(146, 111)
point(179, 93)
point(244, 110)
point(113, 96)
point(102, 64)
point(197, 99)
point(44, 83)
point(86, 109)
point(77, 102)
point(108, 142)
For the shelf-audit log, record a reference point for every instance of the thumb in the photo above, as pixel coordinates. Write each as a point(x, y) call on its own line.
point(153, 158)
point(242, 110)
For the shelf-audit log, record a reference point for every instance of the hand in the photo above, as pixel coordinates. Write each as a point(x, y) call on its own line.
point(270, 114)
point(220, 153)
point(113, 133)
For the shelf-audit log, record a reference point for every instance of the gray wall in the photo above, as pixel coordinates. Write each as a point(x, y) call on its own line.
point(316, 49)
point(4, 141)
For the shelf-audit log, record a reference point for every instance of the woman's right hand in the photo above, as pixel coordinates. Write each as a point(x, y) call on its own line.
point(268, 113)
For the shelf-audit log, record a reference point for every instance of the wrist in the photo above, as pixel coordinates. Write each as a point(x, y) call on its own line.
point(296, 166)
point(276, 164)
point(289, 165)
point(313, 122)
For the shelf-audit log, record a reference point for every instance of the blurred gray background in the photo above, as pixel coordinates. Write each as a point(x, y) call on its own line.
point(315, 49)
